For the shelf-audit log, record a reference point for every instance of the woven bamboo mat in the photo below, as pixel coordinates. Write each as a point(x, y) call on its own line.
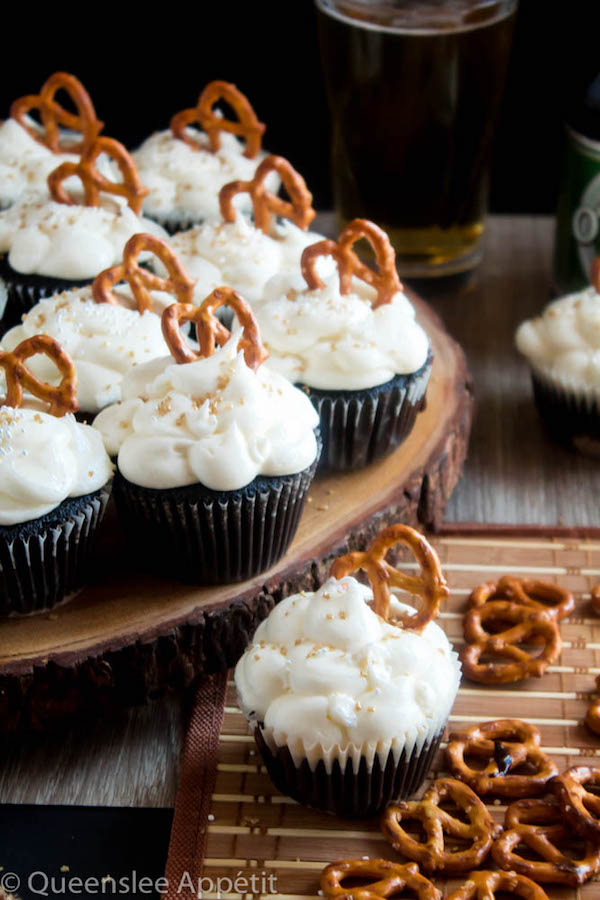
point(251, 829)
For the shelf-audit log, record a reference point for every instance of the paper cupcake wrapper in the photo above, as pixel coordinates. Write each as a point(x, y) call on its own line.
point(24, 291)
point(174, 222)
point(570, 413)
point(45, 560)
point(212, 537)
point(359, 427)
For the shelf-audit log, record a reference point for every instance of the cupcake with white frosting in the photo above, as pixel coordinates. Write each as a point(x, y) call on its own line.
point(54, 483)
point(347, 704)
point(350, 340)
point(184, 167)
point(562, 346)
point(215, 453)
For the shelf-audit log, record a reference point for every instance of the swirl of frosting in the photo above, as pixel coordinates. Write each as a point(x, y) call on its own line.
point(335, 341)
point(213, 421)
point(44, 460)
point(564, 341)
point(325, 673)
point(43, 237)
point(185, 184)
point(104, 341)
point(24, 163)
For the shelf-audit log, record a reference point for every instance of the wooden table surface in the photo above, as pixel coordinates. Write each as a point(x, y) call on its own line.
point(513, 475)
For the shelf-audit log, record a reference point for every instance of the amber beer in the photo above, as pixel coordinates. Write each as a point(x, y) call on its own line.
point(414, 91)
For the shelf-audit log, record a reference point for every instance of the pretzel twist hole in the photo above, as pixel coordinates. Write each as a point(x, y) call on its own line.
point(381, 878)
point(62, 398)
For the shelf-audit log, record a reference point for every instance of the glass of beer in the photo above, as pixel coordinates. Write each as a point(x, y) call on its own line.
point(414, 89)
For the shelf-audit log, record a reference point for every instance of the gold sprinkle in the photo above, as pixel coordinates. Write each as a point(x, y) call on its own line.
point(164, 406)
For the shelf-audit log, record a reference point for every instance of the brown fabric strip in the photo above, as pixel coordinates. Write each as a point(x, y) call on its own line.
point(197, 775)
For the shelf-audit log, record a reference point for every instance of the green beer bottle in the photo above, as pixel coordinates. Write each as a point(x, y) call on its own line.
point(577, 239)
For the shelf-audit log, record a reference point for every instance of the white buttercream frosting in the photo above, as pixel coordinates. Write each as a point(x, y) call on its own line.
point(184, 183)
point(328, 678)
point(44, 460)
point(213, 421)
point(74, 242)
point(24, 162)
point(332, 341)
point(104, 341)
point(563, 343)
point(241, 256)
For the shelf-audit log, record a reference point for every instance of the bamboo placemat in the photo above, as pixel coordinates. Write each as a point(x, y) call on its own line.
point(252, 830)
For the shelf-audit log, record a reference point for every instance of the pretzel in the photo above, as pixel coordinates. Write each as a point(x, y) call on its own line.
point(580, 807)
point(430, 586)
point(385, 280)
point(539, 826)
point(435, 821)
point(592, 718)
point(142, 281)
point(388, 879)
point(508, 744)
point(264, 203)
point(558, 602)
point(595, 599)
point(94, 182)
point(53, 114)
point(62, 399)
point(210, 331)
point(528, 624)
point(483, 886)
point(247, 125)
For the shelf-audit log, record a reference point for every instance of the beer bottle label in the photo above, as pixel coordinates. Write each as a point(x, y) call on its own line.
point(577, 239)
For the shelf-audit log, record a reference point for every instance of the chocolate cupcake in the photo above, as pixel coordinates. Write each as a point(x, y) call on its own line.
point(347, 689)
point(54, 484)
point(215, 453)
point(351, 342)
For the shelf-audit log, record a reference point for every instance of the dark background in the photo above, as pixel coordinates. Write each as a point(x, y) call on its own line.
point(142, 64)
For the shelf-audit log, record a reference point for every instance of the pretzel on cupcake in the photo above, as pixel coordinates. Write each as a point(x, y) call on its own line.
point(62, 398)
point(203, 114)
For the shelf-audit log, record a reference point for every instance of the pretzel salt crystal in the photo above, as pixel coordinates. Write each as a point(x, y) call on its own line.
point(542, 595)
point(266, 204)
point(388, 880)
point(142, 281)
point(385, 279)
point(62, 398)
point(430, 586)
point(52, 114)
point(210, 332)
point(247, 125)
point(94, 182)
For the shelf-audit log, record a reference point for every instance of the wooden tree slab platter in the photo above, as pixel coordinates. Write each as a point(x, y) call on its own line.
point(128, 636)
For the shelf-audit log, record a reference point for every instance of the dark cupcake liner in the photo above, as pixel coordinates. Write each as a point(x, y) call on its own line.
point(24, 291)
point(358, 427)
point(343, 791)
point(571, 419)
point(213, 537)
point(44, 560)
point(172, 224)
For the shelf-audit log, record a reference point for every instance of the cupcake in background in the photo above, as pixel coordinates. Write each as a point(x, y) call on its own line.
point(108, 327)
point(29, 150)
point(215, 453)
point(347, 689)
point(351, 342)
point(54, 482)
point(62, 242)
point(184, 167)
point(562, 347)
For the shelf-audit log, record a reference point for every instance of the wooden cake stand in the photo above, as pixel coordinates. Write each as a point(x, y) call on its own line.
point(128, 636)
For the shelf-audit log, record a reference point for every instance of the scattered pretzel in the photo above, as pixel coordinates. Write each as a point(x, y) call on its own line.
point(385, 280)
point(62, 399)
point(595, 599)
point(592, 718)
point(435, 821)
point(52, 114)
point(580, 807)
point(430, 586)
point(528, 625)
point(539, 825)
point(94, 182)
point(508, 744)
point(558, 602)
point(142, 281)
point(247, 125)
point(388, 879)
point(264, 203)
point(483, 886)
point(210, 331)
